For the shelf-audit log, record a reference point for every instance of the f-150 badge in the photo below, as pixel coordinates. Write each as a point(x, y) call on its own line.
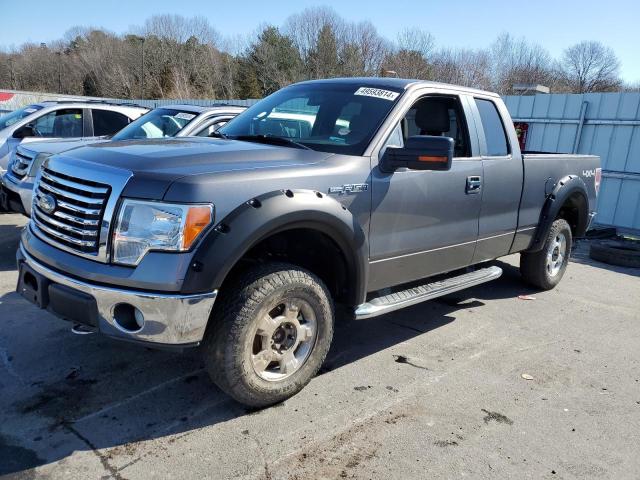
point(349, 188)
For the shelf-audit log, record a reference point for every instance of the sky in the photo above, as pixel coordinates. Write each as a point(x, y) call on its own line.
point(553, 24)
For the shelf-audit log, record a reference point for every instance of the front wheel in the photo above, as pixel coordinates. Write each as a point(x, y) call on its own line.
point(544, 269)
point(270, 335)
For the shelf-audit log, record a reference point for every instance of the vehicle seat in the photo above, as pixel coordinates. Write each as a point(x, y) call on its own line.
point(432, 116)
point(63, 126)
point(358, 128)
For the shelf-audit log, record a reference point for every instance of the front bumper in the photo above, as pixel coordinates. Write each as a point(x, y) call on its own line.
point(169, 319)
point(19, 193)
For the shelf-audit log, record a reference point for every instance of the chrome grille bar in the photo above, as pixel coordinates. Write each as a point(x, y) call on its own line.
point(71, 196)
point(67, 211)
point(60, 236)
point(78, 231)
point(72, 207)
point(78, 186)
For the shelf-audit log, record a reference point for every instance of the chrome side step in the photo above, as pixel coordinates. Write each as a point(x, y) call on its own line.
point(422, 293)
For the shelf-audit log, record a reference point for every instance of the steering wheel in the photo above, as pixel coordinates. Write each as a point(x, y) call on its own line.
point(35, 130)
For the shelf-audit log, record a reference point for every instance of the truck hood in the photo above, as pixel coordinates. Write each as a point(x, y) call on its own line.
point(56, 146)
point(155, 164)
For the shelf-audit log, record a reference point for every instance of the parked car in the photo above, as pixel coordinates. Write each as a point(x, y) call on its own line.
point(171, 121)
point(62, 119)
point(393, 192)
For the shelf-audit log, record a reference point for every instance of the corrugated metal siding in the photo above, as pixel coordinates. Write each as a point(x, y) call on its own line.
point(611, 129)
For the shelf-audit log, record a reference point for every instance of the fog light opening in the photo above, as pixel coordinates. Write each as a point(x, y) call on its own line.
point(128, 318)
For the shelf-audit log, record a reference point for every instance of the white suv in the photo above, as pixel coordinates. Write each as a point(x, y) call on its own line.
point(16, 184)
point(62, 119)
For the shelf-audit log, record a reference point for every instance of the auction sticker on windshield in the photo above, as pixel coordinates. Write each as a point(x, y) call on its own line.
point(185, 116)
point(377, 93)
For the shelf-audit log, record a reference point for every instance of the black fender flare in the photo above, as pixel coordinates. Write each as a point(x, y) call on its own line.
point(271, 213)
point(565, 188)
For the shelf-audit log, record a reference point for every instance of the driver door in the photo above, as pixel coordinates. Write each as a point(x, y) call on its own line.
point(426, 222)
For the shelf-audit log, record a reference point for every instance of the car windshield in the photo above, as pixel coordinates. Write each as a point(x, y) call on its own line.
point(329, 117)
point(158, 123)
point(11, 118)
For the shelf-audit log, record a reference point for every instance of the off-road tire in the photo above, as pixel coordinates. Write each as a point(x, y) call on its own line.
point(533, 265)
point(228, 342)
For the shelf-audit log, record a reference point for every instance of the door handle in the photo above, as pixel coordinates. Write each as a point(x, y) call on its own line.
point(474, 184)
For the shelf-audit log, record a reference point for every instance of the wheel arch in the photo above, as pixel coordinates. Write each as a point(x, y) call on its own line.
point(284, 213)
point(568, 200)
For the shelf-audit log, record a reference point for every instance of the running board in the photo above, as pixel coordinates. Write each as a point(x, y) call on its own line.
point(422, 293)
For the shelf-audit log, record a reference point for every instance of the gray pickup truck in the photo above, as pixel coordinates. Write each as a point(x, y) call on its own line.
point(374, 194)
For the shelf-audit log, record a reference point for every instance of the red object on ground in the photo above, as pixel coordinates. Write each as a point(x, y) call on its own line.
point(4, 96)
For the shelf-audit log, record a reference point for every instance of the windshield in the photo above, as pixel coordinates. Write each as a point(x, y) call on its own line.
point(328, 117)
point(158, 123)
point(11, 118)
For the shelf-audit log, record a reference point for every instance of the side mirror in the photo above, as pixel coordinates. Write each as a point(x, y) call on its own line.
point(421, 152)
point(24, 131)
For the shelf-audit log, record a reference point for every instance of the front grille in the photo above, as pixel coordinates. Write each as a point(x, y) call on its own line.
point(22, 164)
point(79, 205)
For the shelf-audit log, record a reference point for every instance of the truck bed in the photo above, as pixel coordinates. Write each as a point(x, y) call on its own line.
point(542, 170)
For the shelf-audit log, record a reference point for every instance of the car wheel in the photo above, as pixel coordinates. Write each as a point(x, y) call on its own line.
point(270, 335)
point(544, 269)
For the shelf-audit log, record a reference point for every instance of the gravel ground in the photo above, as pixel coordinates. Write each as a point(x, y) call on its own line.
point(434, 391)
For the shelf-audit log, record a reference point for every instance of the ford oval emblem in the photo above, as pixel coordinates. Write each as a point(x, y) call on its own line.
point(47, 203)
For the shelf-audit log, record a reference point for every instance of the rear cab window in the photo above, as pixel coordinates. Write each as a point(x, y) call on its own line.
point(493, 128)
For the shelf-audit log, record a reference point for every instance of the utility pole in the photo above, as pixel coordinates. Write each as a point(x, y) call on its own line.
point(142, 70)
point(12, 87)
point(59, 54)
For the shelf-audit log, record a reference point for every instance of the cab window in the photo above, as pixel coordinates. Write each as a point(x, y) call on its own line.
point(494, 134)
point(64, 123)
point(440, 116)
point(108, 122)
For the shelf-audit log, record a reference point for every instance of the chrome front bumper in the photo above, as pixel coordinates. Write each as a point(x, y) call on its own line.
point(169, 319)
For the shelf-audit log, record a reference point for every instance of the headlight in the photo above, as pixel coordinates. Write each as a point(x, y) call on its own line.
point(143, 226)
point(37, 163)
point(12, 160)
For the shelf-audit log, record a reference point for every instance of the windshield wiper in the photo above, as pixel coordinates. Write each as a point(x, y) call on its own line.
point(271, 140)
point(217, 134)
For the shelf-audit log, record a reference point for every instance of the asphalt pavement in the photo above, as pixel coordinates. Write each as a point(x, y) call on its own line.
point(479, 384)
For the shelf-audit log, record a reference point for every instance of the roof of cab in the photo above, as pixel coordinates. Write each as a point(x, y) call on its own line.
point(201, 108)
point(397, 83)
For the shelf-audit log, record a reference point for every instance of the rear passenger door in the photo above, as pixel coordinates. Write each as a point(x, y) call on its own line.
point(502, 182)
point(108, 122)
point(426, 222)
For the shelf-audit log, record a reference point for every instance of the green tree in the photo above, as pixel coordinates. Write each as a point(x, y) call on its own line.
point(274, 59)
point(323, 58)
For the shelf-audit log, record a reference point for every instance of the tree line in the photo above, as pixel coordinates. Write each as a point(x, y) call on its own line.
point(172, 56)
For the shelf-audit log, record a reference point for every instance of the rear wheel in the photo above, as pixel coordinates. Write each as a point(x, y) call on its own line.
point(544, 269)
point(270, 335)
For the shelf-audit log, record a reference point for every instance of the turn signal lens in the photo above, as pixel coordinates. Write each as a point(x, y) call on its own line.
point(430, 158)
point(197, 220)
